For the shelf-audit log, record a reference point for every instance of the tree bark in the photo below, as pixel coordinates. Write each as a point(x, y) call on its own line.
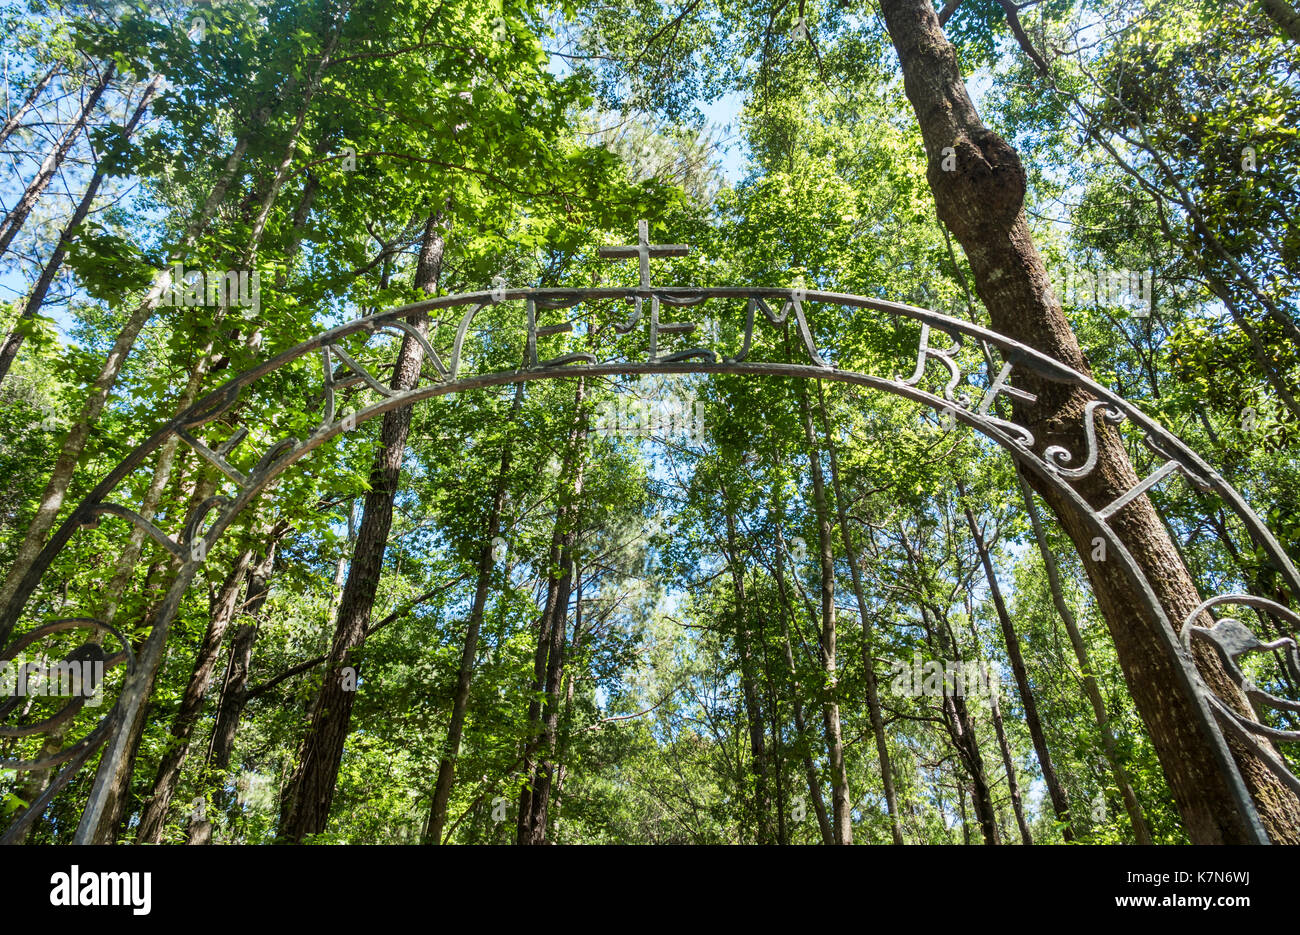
point(842, 819)
point(1009, 764)
point(304, 807)
point(1284, 16)
point(548, 662)
point(36, 781)
point(17, 216)
point(1004, 746)
point(21, 579)
point(982, 202)
point(796, 697)
point(1131, 804)
point(469, 651)
point(51, 269)
point(956, 715)
point(16, 117)
point(864, 617)
point(111, 788)
point(1055, 790)
point(748, 682)
point(234, 696)
point(154, 816)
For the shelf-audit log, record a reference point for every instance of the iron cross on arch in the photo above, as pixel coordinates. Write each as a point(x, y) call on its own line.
point(643, 250)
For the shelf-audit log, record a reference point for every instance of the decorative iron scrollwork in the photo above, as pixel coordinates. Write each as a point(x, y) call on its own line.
point(340, 369)
point(1232, 640)
point(89, 657)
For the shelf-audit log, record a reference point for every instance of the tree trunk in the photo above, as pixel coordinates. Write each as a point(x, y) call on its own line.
point(21, 578)
point(34, 302)
point(169, 769)
point(17, 216)
point(775, 724)
point(842, 821)
point(956, 716)
point(469, 652)
point(11, 124)
point(114, 773)
point(864, 618)
point(111, 788)
point(1134, 808)
point(304, 808)
point(1055, 790)
point(796, 697)
point(566, 734)
point(749, 689)
point(36, 781)
point(548, 662)
point(1004, 746)
point(234, 695)
point(982, 203)
point(1009, 764)
point(1285, 16)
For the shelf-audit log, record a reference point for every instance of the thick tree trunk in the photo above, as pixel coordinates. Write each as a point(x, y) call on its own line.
point(304, 808)
point(469, 651)
point(981, 201)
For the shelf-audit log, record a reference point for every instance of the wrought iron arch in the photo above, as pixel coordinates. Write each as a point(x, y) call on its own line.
point(1055, 466)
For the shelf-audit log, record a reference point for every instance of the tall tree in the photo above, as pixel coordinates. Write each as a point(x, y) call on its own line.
point(306, 802)
point(982, 202)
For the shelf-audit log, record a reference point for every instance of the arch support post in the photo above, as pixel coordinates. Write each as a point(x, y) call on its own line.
point(113, 773)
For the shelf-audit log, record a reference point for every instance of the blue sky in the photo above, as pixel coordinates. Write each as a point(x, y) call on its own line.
point(722, 113)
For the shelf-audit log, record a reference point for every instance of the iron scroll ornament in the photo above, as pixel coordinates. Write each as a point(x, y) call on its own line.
point(342, 369)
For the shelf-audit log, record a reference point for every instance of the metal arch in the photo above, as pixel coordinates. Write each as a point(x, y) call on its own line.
point(193, 543)
point(77, 753)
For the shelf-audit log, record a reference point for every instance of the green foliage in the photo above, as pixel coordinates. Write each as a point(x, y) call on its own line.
point(531, 135)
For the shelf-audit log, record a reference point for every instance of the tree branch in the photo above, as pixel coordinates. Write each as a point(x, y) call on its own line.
point(391, 618)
